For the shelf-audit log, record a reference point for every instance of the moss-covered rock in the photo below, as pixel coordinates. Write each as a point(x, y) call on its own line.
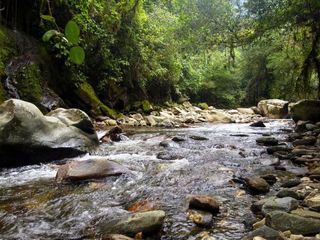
point(28, 80)
point(203, 106)
point(88, 95)
point(7, 50)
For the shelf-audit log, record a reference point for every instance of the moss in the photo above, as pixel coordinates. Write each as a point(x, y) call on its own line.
point(29, 83)
point(203, 106)
point(2, 94)
point(7, 50)
point(146, 106)
point(88, 95)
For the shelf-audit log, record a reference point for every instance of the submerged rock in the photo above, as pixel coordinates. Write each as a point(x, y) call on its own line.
point(145, 222)
point(257, 124)
point(117, 237)
point(89, 169)
point(267, 141)
point(29, 137)
point(200, 218)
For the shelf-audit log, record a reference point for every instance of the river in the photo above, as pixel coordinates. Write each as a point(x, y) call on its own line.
point(33, 206)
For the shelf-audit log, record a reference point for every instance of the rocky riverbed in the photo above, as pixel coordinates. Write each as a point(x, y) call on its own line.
point(200, 181)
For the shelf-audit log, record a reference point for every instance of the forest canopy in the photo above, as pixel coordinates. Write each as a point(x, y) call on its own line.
point(223, 52)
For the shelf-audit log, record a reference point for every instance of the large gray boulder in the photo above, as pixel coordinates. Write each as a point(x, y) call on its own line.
point(29, 137)
point(273, 108)
point(305, 110)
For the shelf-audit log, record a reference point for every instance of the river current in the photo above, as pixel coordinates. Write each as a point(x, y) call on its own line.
point(33, 206)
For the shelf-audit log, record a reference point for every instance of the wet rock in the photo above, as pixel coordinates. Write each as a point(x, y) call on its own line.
point(116, 237)
point(200, 218)
point(311, 127)
point(259, 224)
point(279, 148)
point(306, 213)
point(290, 183)
point(271, 179)
point(285, 204)
point(273, 108)
point(89, 169)
point(283, 221)
point(257, 205)
point(165, 144)
point(205, 203)
point(29, 137)
point(178, 139)
point(267, 141)
point(287, 193)
point(142, 206)
point(145, 222)
point(306, 110)
point(198, 138)
point(305, 141)
point(168, 156)
point(257, 185)
point(265, 232)
point(312, 201)
point(257, 124)
point(315, 173)
point(113, 134)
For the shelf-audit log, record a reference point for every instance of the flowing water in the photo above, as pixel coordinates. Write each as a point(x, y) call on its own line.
point(32, 206)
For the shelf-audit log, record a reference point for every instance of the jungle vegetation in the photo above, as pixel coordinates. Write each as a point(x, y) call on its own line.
point(223, 52)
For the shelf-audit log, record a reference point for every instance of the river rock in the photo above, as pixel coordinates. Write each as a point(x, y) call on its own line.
point(309, 140)
point(257, 185)
point(257, 124)
point(306, 213)
point(306, 110)
point(198, 138)
point(29, 137)
point(283, 221)
point(116, 237)
point(248, 111)
point(312, 201)
point(287, 193)
point(273, 108)
point(178, 139)
point(265, 232)
point(279, 148)
point(145, 222)
point(290, 183)
point(217, 116)
point(89, 169)
point(205, 203)
point(285, 204)
point(200, 218)
point(267, 141)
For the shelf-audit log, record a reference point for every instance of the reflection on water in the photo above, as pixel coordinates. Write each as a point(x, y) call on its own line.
point(32, 206)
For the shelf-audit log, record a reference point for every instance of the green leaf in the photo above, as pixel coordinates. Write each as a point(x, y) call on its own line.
point(49, 34)
point(48, 18)
point(77, 55)
point(72, 32)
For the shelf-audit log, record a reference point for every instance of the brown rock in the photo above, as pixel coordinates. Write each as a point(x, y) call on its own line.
point(205, 203)
point(257, 185)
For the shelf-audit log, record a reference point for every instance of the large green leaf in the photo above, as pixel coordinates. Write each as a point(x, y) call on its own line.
point(72, 32)
point(49, 34)
point(77, 55)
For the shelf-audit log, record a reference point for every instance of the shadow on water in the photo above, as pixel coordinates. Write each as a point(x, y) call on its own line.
point(32, 206)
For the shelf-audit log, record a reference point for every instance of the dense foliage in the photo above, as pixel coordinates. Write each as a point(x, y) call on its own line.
point(223, 52)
